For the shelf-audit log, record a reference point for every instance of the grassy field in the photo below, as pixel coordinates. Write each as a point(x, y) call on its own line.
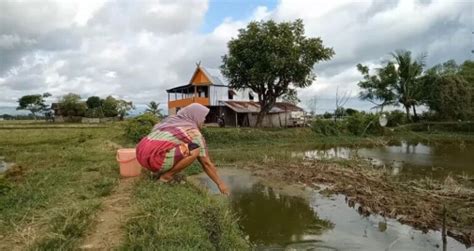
point(51, 197)
point(242, 146)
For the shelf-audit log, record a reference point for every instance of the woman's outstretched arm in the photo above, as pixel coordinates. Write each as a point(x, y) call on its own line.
point(211, 171)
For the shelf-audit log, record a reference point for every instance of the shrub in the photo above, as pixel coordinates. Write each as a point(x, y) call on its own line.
point(94, 113)
point(327, 127)
point(327, 115)
point(396, 118)
point(350, 111)
point(363, 123)
point(140, 126)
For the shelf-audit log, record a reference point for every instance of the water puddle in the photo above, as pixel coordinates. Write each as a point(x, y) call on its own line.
point(277, 217)
point(408, 159)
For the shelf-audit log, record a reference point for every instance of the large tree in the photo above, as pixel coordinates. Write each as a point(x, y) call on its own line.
point(33, 103)
point(448, 91)
point(94, 107)
point(93, 102)
point(272, 59)
point(110, 107)
point(396, 82)
point(408, 87)
point(71, 105)
point(123, 107)
point(378, 88)
point(467, 71)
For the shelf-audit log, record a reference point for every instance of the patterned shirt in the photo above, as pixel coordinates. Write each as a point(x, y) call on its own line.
point(161, 144)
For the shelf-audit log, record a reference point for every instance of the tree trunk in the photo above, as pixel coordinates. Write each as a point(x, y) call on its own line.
point(34, 115)
point(407, 109)
point(260, 117)
point(265, 107)
point(415, 116)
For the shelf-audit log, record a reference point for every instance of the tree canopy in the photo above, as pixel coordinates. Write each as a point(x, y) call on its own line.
point(448, 91)
point(447, 88)
point(396, 82)
point(71, 105)
point(154, 108)
point(109, 106)
point(34, 103)
point(378, 88)
point(93, 102)
point(123, 107)
point(272, 59)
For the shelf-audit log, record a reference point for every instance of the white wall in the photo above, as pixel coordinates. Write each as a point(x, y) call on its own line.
point(217, 93)
point(271, 120)
point(220, 93)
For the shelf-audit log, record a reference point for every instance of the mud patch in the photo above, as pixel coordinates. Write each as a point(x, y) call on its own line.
point(108, 231)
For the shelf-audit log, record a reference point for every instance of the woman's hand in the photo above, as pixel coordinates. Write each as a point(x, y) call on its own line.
point(224, 189)
point(211, 171)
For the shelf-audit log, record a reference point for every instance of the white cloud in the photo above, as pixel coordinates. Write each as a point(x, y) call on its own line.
point(367, 31)
point(136, 50)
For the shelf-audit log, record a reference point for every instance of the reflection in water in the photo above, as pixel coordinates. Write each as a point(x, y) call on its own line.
point(275, 221)
point(413, 159)
point(271, 218)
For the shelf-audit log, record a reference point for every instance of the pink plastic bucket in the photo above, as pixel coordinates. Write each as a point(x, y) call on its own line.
point(129, 166)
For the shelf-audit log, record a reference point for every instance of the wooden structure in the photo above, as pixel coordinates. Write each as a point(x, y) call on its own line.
point(239, 107)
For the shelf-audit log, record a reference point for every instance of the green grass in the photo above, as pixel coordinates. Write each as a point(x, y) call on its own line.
point(179, 217)
point(273, 137)
point(62, 175)
point(67, 224)
point(57, 183)
point(242, 146)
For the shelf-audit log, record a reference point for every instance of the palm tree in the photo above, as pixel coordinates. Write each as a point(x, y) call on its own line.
point(408, 85)
point(154, 109)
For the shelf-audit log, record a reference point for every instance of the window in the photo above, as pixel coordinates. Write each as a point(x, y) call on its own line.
point(251, 96)
point(230, 94)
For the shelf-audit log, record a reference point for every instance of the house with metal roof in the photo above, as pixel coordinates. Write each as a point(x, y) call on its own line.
point(209, 87)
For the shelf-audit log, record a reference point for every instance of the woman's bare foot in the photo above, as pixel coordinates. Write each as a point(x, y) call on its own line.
point(165, 178)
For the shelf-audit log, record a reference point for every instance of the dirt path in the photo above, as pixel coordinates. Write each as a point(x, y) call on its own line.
point(108, 231)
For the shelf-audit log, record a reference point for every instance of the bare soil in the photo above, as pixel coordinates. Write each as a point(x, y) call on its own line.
point(419, 204)
point(108, 231)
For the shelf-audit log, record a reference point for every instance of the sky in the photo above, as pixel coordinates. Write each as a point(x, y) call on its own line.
point(135, 50)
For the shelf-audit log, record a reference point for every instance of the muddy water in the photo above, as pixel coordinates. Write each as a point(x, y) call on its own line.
point(279, 217)
point(411, 159)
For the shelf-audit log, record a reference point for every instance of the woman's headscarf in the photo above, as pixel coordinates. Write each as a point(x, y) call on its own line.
point(190, 116)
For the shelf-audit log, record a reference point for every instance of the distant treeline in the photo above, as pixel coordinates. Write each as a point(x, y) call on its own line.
point(446, 89)
point(20, 117)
